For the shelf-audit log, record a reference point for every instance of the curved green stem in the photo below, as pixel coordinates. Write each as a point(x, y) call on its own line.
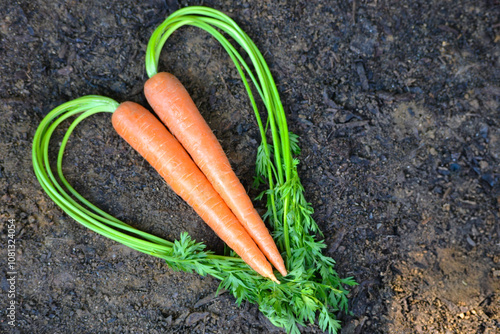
point(73, 203)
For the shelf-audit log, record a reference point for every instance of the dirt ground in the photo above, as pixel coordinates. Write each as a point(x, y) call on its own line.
point(397, 105)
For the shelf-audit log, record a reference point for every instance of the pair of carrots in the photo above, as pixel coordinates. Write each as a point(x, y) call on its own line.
point(202, 176)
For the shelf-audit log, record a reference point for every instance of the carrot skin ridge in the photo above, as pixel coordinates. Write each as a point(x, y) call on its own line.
point(153, 141)
point(174, 106)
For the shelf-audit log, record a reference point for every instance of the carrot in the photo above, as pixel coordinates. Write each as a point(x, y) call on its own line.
point(173, 105)
point(152, 140)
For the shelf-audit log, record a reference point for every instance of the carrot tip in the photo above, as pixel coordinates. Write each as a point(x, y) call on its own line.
point(274, 279)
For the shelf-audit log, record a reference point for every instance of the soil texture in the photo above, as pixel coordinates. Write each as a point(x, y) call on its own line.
point(397, 105)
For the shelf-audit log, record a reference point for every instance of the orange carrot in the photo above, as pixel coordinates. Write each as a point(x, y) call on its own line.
point(173, 105)
point(151, 139)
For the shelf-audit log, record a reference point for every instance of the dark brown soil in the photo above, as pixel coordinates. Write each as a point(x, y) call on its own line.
point(397, 106)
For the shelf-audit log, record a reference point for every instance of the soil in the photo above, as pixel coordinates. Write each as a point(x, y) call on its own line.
point(397, 108)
